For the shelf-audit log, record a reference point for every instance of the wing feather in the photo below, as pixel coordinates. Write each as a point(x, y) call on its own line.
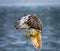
point(37, 41)
point(35, 23)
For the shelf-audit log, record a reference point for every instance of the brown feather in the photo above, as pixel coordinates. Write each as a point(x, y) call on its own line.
point(35, 23)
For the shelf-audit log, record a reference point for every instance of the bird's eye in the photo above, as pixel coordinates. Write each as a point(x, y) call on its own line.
point(19, 19)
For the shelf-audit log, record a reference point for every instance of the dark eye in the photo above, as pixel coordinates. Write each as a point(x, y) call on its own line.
point(19, 19)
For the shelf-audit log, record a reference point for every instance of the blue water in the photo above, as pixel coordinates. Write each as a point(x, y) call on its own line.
point(13, 40)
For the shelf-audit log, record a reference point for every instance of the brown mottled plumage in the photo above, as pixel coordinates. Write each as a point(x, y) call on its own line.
point(32, 23)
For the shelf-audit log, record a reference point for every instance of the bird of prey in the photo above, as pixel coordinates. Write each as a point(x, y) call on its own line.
point(32, 23)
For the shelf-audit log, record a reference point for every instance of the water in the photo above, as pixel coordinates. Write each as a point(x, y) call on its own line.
point(13, 40)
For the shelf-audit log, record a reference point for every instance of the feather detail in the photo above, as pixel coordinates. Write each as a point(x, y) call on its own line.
point(36, 40)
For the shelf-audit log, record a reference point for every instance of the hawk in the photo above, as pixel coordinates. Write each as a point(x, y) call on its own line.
point(32, 23)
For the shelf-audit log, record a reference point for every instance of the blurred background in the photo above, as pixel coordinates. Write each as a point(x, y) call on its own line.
point(13, 40)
